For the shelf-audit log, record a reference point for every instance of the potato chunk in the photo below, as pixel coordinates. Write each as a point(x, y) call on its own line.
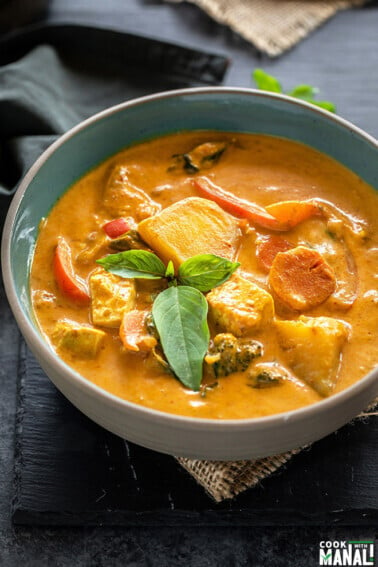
point(240, 307)
point(122, 198)
point(80, 340)
point(189, 227)
point(312, 348)
point(111, 296)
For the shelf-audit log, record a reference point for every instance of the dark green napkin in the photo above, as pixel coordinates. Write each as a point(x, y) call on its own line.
point(54, 76)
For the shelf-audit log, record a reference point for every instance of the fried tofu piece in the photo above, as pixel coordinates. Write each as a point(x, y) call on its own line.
point(81, 340)
point(240, 307)
point(123, 198)
point(312, 348)
point(111, 296)
point(189, 227)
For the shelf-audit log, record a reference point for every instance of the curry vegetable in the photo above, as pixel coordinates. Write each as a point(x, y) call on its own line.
point(279, 217)
point(116, 227)
point(228, 354)
point(68, 281)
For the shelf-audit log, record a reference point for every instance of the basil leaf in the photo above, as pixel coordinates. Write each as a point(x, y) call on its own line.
point(180, 317)
point(266, 82)
point(324, 104)
point(134, 264)
point(206, 271)
point(303, 91)
point(170, 271)
point(307, 93)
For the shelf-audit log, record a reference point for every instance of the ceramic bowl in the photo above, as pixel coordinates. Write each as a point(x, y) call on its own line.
point(94, 140)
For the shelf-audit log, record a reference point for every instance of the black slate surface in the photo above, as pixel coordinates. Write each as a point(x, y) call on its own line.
point(69, 471)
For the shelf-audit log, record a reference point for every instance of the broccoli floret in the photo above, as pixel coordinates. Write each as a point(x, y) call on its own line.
point(227, 354)
point(266, 376)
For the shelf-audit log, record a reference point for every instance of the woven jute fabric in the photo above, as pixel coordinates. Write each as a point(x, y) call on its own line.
point(226, 479)
point(273, 26)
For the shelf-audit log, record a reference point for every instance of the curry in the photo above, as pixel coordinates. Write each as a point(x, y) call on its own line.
point(212, 275)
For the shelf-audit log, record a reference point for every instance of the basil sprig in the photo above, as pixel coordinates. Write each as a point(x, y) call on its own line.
point(203, 271)
point(180, 311)
point(308, 93)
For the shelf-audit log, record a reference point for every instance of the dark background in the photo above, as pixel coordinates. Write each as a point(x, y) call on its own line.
point(341, 59)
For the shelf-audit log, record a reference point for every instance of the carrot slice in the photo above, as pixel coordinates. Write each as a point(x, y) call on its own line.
point(68, 282)
point(292, 213)
point(133, 332)
point(236, 206)
point(268, 248)
point(116, 227)
point(301, 278)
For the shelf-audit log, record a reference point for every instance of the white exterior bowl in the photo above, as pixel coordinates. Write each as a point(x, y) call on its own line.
point(83, 147)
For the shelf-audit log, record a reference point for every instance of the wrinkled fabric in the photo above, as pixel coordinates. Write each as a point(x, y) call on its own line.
point(47, 89)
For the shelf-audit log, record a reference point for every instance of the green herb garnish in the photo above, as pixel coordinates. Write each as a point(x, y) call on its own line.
point(170, 271)
point(206, 271)
point(134, 264)
point(180, 311)
point(267, 82)
point(180, 315)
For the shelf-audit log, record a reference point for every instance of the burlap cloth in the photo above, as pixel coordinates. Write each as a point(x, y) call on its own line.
point(225, 479)
point(273, 26)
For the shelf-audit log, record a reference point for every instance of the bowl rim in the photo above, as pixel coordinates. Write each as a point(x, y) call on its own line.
point(38, 344)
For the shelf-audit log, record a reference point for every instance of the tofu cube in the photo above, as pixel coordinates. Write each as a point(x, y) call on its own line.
point(80, 340)
point(240, 307)
point(123, 198)
point(189, 227)
point(111, 296)
point(312, 348)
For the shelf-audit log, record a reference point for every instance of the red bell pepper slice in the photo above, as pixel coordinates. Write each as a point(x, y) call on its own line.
point(116, 227)
point(237, 206)
point(68, 282)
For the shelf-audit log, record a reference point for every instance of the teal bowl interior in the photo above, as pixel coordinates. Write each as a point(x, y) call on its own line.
point(233, 110)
